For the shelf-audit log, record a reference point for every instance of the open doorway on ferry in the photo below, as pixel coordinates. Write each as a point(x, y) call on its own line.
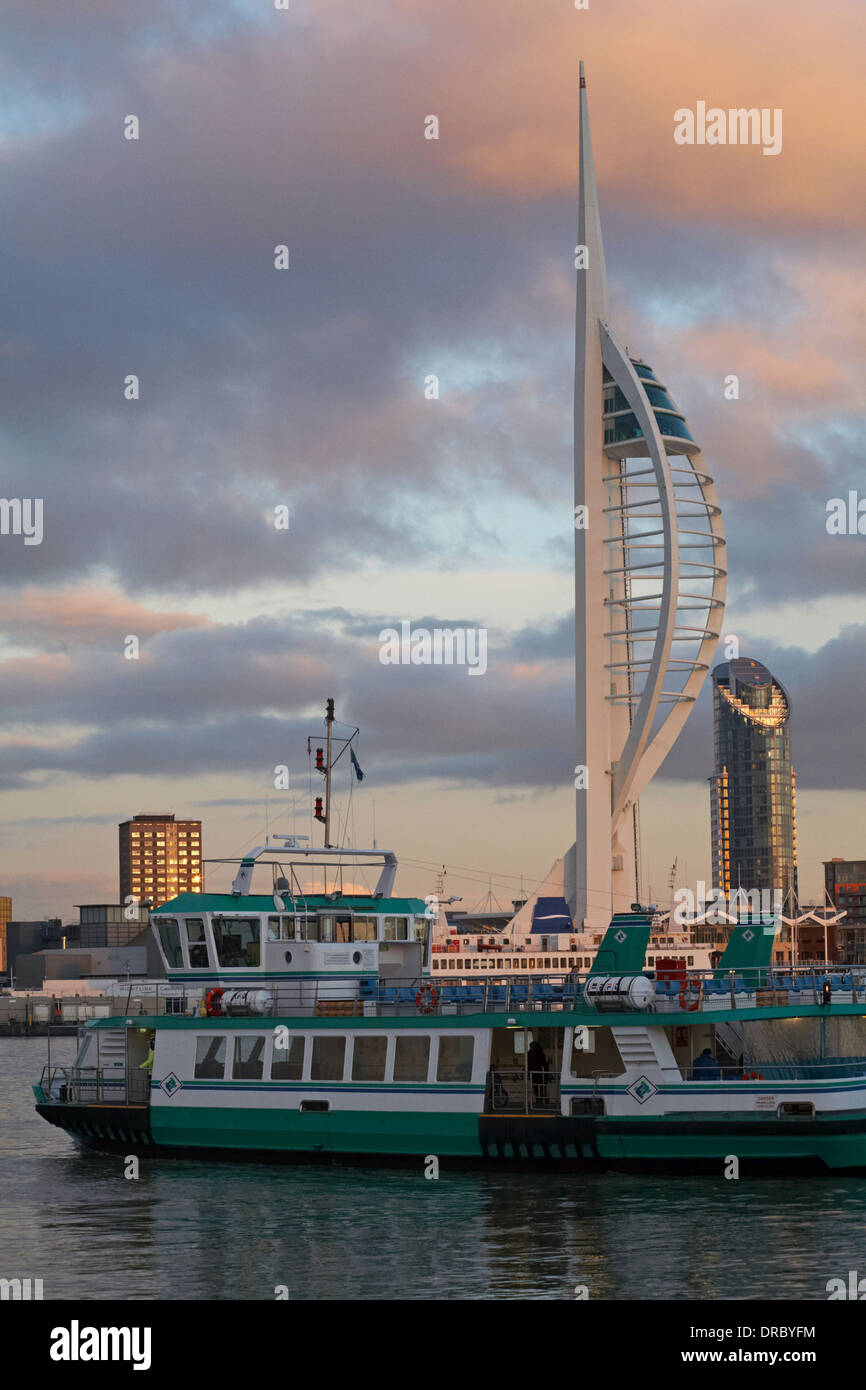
point(525, 1068)
point(139, 1064)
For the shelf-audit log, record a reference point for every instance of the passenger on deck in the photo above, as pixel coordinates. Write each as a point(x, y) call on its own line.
point(706, 1068)
point(537, 1064)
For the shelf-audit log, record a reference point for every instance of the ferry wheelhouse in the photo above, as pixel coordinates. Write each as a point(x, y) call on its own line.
point(312, 1028)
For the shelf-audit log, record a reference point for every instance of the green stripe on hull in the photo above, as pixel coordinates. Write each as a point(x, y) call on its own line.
point(836, 1151)
point(339, 1132)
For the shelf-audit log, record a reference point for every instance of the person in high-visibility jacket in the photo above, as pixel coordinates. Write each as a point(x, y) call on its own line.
point(147, 1064)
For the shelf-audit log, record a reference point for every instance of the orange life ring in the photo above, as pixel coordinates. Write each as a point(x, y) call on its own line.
point(211, 1002)
point(425, 999)
point(684, 993)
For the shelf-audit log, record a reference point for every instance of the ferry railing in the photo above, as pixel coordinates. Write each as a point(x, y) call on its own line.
point(95, 1085)
point(682, 993)
point(837, 1070)
point(396, 997)
point(764, 986)
point(516, 1091)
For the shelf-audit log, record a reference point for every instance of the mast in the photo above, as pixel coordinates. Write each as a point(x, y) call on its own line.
point(329, 720)
point(600, 731)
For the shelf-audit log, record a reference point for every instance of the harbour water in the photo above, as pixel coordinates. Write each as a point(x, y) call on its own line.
point(199, 1231)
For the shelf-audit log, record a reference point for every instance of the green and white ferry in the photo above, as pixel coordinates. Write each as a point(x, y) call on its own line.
point(314, 1028)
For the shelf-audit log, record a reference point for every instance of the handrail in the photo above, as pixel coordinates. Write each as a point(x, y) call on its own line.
point(95, 1085)
point(682, 993)
point(780, 1071)
point(516, 1090)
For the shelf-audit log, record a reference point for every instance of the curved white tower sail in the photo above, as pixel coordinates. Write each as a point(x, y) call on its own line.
point(649, 579)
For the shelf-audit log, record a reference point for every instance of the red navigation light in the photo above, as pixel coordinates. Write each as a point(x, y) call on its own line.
point(320, 760)
point(318, 811)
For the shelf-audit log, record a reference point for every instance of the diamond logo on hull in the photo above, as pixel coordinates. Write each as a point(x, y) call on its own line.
point(169, 1084)
point(619, 936)
point(641, 1090)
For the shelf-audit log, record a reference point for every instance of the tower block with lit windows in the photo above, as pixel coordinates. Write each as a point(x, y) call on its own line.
point(649, 579)
point(160, 857)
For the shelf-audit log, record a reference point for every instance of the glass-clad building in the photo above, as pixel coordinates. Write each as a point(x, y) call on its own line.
point(753, 789)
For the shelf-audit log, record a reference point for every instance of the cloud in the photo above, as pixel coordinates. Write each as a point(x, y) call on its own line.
point(306, 388)
point(242, 699)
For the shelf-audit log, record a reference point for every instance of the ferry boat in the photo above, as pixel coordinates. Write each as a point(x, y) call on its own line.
point(313, 1028)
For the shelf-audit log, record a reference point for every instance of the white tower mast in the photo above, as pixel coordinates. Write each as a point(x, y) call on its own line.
point(647, 503)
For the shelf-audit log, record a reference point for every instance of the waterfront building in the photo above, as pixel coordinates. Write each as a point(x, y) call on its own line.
point(110, 924)
point(26, 938)
point(5, 919)
point(753, 812)
point(159, 858)
point(649, 580)
point(809, 935)
point(845, 884)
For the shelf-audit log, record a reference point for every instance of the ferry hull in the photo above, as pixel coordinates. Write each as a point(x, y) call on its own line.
point(832, 1144)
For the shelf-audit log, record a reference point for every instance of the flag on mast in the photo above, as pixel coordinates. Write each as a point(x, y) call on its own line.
point(358, 773)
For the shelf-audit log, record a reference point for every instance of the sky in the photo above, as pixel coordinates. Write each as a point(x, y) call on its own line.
point(305, 389)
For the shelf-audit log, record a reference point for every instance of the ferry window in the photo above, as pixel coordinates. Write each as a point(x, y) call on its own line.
point(411, 1059)
point(248, 1064)
point(237, 940)
point(365, 928)
point(343, 929)
point(396, 929)
point(455, 1059)
point(210, 1059)
point(422, 926)
point(329, 1055)
point(287, 1063)
point(169, 939)
point(325, 929)
point(368, 1058)
point(304, 928)
point(287, 928)
point(196, 942)
point(273, 929)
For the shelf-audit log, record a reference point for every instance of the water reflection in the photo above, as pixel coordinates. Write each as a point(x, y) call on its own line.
point(191, 1230)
